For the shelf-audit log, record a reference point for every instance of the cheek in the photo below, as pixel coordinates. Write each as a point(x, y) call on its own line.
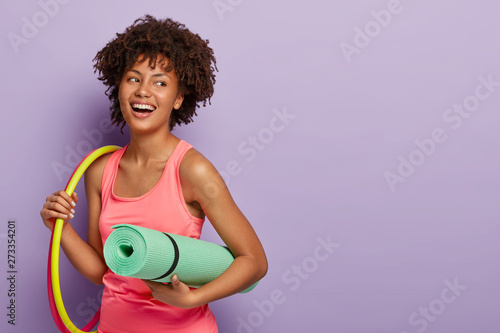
point(122, 95)
point(120, 92)
point(170, 97)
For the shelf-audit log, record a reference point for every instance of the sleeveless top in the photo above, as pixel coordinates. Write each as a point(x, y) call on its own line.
point(127, 304)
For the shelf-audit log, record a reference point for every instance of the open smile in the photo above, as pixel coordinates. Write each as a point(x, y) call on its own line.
point(142, 107)
point(142, 110)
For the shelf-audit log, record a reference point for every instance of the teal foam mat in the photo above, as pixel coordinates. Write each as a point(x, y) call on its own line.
point(149, 254)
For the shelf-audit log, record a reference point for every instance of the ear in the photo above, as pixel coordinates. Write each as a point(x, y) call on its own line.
point(178, 101)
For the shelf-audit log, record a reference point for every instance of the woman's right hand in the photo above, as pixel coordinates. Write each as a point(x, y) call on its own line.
point(58, 205)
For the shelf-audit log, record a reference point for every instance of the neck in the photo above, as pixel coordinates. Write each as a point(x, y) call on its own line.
point(145, 148)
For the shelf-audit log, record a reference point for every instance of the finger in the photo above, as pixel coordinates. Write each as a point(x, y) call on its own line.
point(57, 197)
point(60, 207)
point(67, 201)
point(148, 283)
point(154, 286)
point(53, 214)
point(75, 198)
point(175, 280)
point(66, 197)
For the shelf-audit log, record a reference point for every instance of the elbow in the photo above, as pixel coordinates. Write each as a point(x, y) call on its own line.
point(97, 281)
point(97, 278)
point(262, 268)
point(261, 274)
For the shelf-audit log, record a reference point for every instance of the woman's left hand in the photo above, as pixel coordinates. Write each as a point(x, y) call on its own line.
point(176, 293)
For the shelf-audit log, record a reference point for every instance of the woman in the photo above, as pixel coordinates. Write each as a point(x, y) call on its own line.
point(157, 72)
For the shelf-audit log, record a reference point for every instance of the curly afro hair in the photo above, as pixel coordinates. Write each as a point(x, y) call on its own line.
point(190, 57)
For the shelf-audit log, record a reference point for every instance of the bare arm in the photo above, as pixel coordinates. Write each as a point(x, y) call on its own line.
point(86, 257)
point(202, 183)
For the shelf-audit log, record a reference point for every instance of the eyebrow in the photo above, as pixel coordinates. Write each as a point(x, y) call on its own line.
point(154, 75)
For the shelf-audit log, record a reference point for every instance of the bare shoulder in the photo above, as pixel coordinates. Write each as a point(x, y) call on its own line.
point(93, 174)
point(195, 166)
point(197, 174)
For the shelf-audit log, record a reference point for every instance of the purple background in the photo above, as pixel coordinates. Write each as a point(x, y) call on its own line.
point(320, 175)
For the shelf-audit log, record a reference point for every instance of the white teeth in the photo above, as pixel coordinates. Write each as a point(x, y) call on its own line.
point(143, 107)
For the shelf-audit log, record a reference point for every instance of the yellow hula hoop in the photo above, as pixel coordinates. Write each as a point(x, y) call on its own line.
point(56, 242)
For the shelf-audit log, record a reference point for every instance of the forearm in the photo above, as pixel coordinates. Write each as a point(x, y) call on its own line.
point(241, 274)
point(82, 256)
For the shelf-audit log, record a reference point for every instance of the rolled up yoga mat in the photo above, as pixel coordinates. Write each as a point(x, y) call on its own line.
point(149, 254)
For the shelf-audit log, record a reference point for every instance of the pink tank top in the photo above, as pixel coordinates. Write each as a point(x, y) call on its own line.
point(127, 304)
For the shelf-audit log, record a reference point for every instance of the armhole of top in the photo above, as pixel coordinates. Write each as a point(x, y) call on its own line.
point(180, 192)
point(107, 175)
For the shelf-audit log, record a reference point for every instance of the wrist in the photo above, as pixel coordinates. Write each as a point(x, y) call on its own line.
point(197, 298)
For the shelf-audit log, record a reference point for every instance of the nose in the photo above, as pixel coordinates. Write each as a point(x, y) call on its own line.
point(143, 90)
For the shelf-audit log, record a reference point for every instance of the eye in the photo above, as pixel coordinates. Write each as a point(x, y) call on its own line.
point(133, 79)
point(161, 84)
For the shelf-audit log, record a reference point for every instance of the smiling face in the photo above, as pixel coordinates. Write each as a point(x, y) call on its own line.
point(147, 96)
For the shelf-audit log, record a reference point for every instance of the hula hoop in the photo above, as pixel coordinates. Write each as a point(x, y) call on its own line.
point(58, 311)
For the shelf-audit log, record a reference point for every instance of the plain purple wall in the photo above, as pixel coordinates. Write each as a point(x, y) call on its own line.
point(366, 135)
